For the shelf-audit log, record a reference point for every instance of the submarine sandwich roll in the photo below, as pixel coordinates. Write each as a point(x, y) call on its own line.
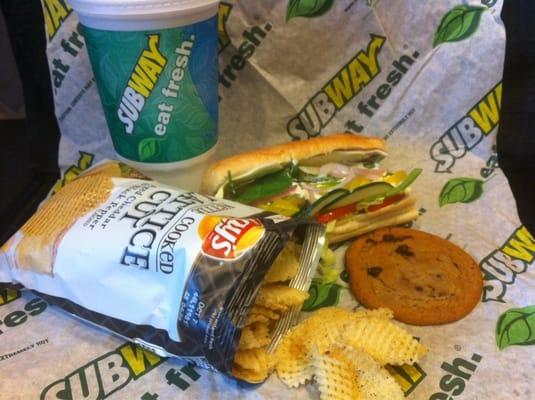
point(337, 179)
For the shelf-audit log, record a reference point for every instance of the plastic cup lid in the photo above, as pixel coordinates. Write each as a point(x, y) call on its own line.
point(139, 8)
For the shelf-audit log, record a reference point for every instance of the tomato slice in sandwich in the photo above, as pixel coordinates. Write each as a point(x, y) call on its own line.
point(336, 213)
point(350, 208)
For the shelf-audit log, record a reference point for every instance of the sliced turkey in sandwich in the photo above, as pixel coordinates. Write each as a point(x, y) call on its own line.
point(337, 179)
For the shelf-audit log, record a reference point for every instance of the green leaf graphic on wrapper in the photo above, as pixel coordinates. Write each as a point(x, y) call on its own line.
point(516, 326)
point(458, 24)
point(460, 190)
point(148, 148)
point(307, 8)
point(322, 294)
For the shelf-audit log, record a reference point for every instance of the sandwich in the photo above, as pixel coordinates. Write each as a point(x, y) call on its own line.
point(336, 179)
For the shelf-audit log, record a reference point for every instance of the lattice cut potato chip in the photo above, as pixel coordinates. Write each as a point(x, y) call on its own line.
point(343, 372)
point(386, 342)
point(280, 297)
point(252, 318)
point(345, 351)
point(293, 363)
point(249, 375)
point(335, 374)
point(285, 266)
point(251, 362)
point(374, 381)
point(256, 359)
point(318, 331)
point(257, 309)
point(254, 336)
point(295, 372)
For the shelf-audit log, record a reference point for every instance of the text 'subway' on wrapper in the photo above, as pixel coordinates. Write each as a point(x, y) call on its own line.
point(175, 271)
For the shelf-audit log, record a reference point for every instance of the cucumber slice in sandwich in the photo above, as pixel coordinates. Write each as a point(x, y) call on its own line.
point(371, 190)
point(323, 202)
point(366, 193)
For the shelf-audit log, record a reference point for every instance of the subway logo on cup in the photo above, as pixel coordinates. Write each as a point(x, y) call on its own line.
point(147, 70)
point(229, 238)
point(158, 89)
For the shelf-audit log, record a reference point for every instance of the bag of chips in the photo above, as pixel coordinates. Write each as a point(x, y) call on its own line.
point(176, 272)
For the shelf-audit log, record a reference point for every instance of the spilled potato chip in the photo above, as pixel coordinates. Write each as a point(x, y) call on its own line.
point(374, 381)
point(334, 371)
point(345, 353)
point(343, 372)
point(385, 342)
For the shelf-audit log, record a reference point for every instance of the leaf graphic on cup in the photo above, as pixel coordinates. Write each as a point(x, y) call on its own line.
point(148, 148)
point(307, 8)
point(516, 327)
point(458, 24)
point(460, 190)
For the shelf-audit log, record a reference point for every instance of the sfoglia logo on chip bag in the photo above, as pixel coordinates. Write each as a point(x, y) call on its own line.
point(229, 238)
point(146, 72)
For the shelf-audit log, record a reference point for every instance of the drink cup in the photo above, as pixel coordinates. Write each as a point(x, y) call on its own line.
point(155, 66)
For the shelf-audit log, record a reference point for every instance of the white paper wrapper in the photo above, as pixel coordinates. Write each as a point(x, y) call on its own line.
point(424, 75)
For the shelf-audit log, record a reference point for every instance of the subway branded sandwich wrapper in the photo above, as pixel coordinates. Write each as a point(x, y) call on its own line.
point(173, 271)
point(425, 76)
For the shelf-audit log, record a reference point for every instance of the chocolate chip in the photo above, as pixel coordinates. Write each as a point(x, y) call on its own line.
point(419, 289)
point(404, 250)
point(389, 238)
point(375, 271)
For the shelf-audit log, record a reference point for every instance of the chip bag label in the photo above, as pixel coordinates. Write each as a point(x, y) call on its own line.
point(175, 271)
point(231, 237)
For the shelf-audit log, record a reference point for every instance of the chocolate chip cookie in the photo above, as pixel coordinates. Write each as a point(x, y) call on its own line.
point(422, 278)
